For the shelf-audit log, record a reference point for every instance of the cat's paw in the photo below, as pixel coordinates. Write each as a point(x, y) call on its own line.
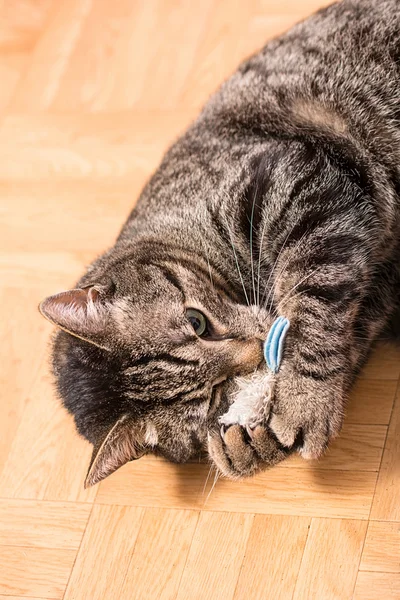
point(306, 414)
point(242, 451)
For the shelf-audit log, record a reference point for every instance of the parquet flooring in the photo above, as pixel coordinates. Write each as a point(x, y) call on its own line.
point(91, 94)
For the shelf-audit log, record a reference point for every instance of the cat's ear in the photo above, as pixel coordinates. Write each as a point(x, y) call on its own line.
point(81, 312)
point(123, 443)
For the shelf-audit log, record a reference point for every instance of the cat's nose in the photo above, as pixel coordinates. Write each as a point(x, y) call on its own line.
point(247, 355)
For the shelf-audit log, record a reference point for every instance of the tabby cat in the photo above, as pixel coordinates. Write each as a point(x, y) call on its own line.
point(282, 198)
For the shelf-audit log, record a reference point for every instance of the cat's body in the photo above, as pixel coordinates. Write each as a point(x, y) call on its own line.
point(284, 195)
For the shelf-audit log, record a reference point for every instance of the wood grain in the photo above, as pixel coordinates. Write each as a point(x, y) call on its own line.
point(374, 586)
point(105, 553)
point(386, 504)
point(219, 539)
point(371, 401)
point(382, 548)
point(273, 556)
point(55, 461)
point(331, 558)
point(359, 448)
point(92, 93)
point(42, 524)
point(302, 492)
point(384, 363)
point(160, 554)
point(30, 571)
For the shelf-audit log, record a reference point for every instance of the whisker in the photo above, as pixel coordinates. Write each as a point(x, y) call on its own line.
point(287, 296)
point(237, 263)
point(259, 264)
point(297, 295)
point(208, 262)
point(216, 477)
point(207, 478)
point(274, 265)
point(251, 241)
point(282, 268)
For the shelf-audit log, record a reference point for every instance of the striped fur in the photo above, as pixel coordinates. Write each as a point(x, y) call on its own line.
point(281, 199)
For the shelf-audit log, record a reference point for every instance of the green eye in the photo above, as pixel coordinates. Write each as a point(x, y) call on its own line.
point(198, 321)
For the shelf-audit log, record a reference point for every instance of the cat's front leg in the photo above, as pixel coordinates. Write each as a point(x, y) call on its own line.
point(310, 391)
point(307, 411)
point(303, 404)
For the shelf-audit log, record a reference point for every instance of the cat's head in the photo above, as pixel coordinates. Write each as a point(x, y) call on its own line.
point(143, 355)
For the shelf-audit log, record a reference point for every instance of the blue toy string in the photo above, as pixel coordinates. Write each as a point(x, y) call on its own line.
point(273, 347)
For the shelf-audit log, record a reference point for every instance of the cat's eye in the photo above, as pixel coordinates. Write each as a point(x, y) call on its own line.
point(198, 321)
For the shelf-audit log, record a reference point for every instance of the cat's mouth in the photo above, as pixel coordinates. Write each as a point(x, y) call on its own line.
point(221, 396)
point(218, 399)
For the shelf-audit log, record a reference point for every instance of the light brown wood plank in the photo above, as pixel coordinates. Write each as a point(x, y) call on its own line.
point(11, 68)
point(92, 227)
point(90, 72)
point(371, 401)
point(112, 149)
point(170, 486)
point(220, 539)
point(377, 586)
point(21, 24)
point(42, 524)
point(384, 363)
point(273, 556)
point(358, 448)
point(298, 492)
point(20, 328)
point(92, 93)
point(38, 88)
point(386, 505)
point(41, 572)
point(47, 460)
point(302, 492)
point(22, 270)
point(160, 554)
point(105, 553)
point(219, 52)
point(331, 558)
point(382, 548)
point(102, 74)
point(13, 597)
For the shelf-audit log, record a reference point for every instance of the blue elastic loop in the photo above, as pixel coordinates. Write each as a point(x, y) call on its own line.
point(285, 329)
point(273, 347)
point(268, 342)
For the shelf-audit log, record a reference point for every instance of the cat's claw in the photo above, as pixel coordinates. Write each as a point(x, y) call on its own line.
point(223, 431)
point(242, 451)
point(250, 431)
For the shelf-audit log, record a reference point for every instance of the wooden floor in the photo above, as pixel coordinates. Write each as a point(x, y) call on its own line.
point(91, 93)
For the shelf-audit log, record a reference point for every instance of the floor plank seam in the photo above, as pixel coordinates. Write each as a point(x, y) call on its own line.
point(244, 557)
point(302, 557)
point(238, 511)
point(133, 549)
point(384, 445)
point(376, 484)
point(37, 500)
point(77, 552)
point(187, 556)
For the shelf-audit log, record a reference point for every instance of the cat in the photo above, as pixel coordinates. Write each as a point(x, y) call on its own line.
point(282, 198)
